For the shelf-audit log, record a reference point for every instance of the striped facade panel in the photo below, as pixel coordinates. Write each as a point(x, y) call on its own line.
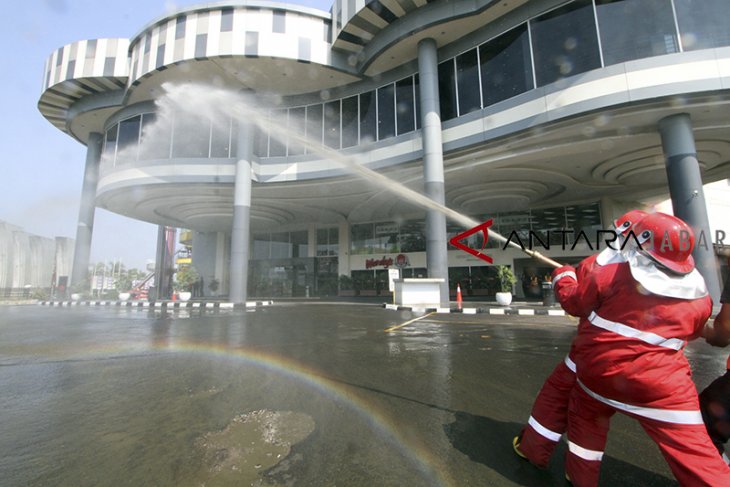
point(358, 21)
point(231, 31)
point(96, 58)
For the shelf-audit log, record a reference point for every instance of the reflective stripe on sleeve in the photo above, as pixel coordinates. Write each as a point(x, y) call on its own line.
point(675, 416)
point(629, 332)
point(725, 458)
point(564, 274)
point(569, 363)
point(584, 453)
point(549, 434)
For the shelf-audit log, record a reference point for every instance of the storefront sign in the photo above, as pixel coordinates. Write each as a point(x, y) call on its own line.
point(384, 262)
point(386, 229)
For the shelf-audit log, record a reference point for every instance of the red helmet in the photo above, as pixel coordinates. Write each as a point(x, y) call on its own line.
point(667, 240)
point(625, 222)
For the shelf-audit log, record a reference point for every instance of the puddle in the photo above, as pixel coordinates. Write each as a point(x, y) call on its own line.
point(251, 443)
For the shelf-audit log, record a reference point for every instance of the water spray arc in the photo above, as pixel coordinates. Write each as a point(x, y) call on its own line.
point(218, 103)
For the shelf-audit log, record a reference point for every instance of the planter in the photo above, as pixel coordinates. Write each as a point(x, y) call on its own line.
point(124, 296)
point(504, 299)
point(185, 295)
point(75, 297)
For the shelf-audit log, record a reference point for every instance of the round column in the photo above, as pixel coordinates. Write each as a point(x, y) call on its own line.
point(85, 228)
point(688, 198)
point(240, 232)
point(433, 164)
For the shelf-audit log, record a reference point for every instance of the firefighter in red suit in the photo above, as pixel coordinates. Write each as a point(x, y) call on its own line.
point(636, 318)
point(549, 416)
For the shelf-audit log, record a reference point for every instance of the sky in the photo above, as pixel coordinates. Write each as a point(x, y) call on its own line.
point(41, 168)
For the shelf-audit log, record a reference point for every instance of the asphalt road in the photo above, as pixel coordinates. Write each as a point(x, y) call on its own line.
point(293, 394)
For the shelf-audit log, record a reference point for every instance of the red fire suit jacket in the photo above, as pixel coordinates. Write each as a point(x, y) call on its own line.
point(630, 341)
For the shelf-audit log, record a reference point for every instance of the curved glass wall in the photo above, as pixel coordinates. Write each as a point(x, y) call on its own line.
point(573, 38)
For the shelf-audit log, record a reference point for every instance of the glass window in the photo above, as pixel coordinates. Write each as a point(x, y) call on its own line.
point(156, 135)
point(221, 143)
point(299, 243)
point(447, 89)
point(332, 124)
point(386, 112)
point(349, 122)
point(703, 23)
point(279, 24)
point(368, 117)
point(585, 218)
point(261, 247)
point(467, 79)
point(191, 137)
point(412, 236)
point(362, 235)
point(180, 28)
point(160, 59)
point(547, 225)
point(110, 144)
point(277, 139)
point(634, 29)
point(260, 142)
point(405, 106)
point(314, 124)
point(226, 19)
point(565, 42)
point(327, 241)
point(506, 66)
point(280, 246)
point(296, 126)
point(127, 143)
point(201, 43)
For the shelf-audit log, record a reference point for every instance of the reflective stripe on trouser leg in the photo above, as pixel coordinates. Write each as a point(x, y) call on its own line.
point(549, 416)
point(587, 433)
point(689, 452)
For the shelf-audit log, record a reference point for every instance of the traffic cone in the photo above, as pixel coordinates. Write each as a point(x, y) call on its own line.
point(458, 296)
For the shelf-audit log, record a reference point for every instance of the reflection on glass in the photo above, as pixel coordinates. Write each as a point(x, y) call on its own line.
point(128, 139)
point(314, 123)
point(190, 137)
point(703, 23)
point(447, 89)
point(296, 126)
point(156, 136)
point(386, 112)
point(505, 65)
point(221, 142)
point(332, 124)
point(404, 106)
point(349, 122)
point(565, 42)
point(467, 78)
point(110, 145)
point(368, 118)
point(277, 139)
point(634, 29)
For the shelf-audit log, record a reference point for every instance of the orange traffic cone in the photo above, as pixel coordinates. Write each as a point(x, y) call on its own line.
point(458, 296)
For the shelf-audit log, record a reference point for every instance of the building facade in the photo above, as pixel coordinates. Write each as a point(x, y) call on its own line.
point(545, 116)
point(31, 263)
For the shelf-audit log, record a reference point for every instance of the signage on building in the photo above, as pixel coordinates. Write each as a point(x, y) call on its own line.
point(400, 262)
point(386, 229)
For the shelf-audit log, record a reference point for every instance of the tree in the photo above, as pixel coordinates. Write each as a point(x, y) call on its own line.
point(185, 277)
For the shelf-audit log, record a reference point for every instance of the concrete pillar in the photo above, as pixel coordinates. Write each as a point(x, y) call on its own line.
point(312, 240)
point(85, 228)
point(241, 232)
point(688, 198)
point(433, 164)
point(343, 254)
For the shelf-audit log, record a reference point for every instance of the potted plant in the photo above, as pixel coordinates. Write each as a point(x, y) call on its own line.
point(506, 279)
point(185, 277)
point(213, 285)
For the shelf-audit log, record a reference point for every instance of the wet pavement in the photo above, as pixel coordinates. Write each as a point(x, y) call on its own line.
point(293, 394)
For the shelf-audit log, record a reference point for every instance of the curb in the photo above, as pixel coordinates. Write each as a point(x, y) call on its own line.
point(481, 310)
point(202, 305)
